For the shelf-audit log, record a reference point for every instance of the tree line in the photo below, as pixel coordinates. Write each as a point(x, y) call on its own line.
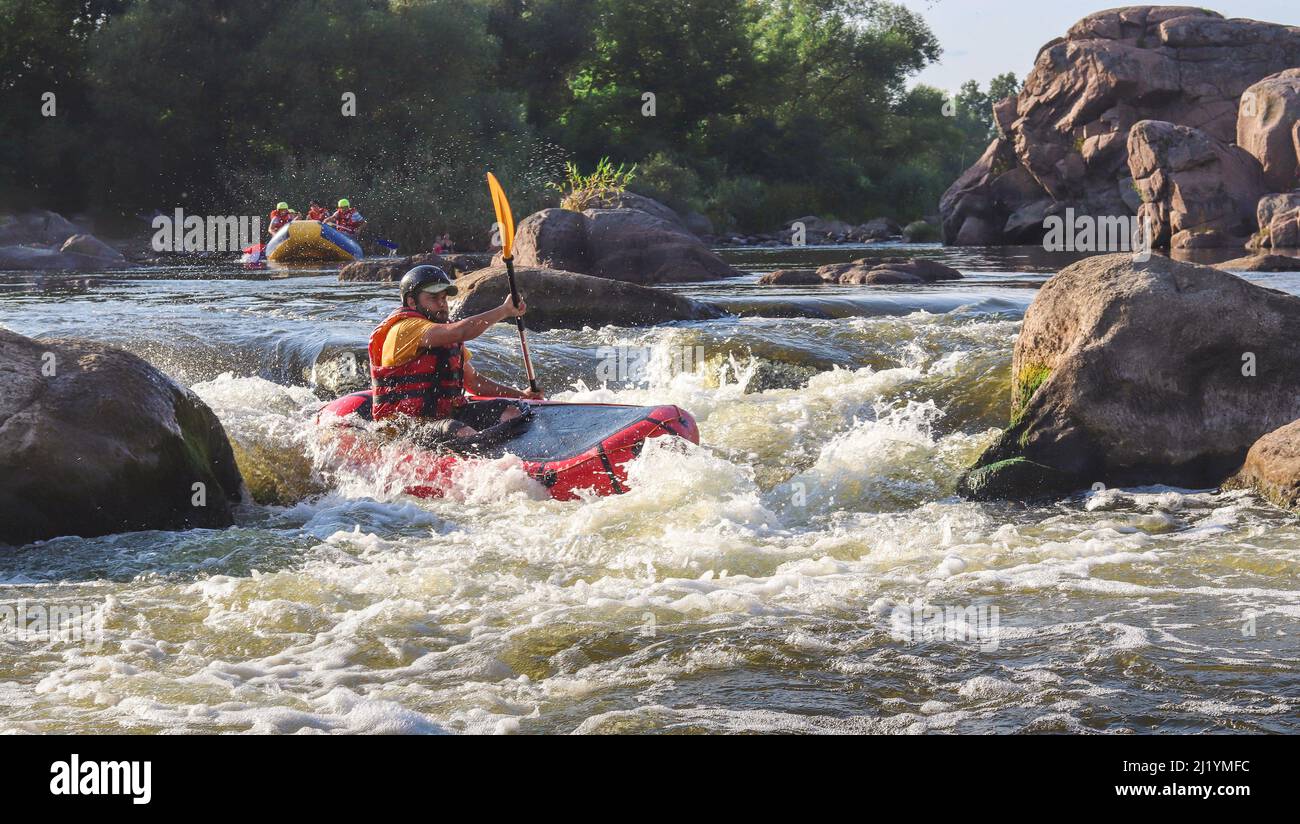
point(751, 112)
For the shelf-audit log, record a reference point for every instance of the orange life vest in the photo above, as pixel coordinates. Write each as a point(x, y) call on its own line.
point(317, 213)
point(345, 219)
point(430, 385)
point(279, 218)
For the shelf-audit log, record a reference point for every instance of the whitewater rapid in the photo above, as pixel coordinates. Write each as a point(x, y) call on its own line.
point(769, 579)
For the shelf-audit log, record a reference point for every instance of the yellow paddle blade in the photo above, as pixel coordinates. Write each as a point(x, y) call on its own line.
point(504, 219)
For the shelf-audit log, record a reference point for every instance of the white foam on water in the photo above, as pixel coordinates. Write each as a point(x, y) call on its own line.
point(498, 610)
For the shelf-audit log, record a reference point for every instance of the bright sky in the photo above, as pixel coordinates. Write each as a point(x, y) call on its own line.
point(984, 38)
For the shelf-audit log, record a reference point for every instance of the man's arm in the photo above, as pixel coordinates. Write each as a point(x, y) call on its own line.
point(447, 334)
point(476, 384)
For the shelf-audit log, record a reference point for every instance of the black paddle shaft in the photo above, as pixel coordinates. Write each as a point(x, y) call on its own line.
point(519, 321)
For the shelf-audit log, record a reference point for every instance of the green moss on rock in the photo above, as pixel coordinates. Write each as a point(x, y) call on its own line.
point(1014, 478)
point(1024, 385)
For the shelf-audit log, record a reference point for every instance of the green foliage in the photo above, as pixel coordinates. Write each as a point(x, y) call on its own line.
point(579, 190)
point(764, 110)
point(670, 182)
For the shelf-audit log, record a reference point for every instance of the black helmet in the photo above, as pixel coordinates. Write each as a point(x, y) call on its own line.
point(421, 278)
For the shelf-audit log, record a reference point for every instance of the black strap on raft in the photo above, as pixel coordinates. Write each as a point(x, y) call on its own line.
point(609, 469)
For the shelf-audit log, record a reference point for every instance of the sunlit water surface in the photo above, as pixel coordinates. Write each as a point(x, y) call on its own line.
point(807, 568)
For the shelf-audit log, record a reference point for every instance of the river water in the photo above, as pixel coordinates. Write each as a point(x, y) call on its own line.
point(807, 568)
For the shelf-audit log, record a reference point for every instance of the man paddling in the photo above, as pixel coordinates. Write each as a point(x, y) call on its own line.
point(281, 216)
point(347, 219)
point(419, 366)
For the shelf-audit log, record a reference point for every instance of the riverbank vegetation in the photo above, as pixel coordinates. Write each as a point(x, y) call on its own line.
point(751, 112)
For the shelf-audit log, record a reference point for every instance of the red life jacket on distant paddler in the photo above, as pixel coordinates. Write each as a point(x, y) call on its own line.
point(280, 218)
point(317, 213)
point(430, 385)
point(346, 219)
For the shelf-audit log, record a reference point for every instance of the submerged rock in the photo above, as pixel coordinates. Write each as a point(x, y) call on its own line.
point(1261, 263)
point(873, 272)
point(567, 300)
point(390, 270)
point(1131, 373)
point(792, 277)
point(94, 440)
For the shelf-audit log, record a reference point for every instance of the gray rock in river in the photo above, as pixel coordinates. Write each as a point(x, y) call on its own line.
point(883, 271)
point(793, 277)
point(46, 241)
point(94, 440)
point(1131, 373)
point(641, 241)
point(567, 300)
point(1261, 263)
point(40, 228)
point(390, 270)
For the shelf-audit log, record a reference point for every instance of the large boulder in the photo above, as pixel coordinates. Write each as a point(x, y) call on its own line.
point(1140, 373)
point(638, 241)
point(1272, 467)
point(1192, 185)
point(1278, 218)
point(634, 246)
point(94, 440)
point(698, 224)
point(553, 239)
point(1064, 138)
point(1266, 121)
point(638, 203)
point(91, 247)
point(39, 228)
point(567, 300)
